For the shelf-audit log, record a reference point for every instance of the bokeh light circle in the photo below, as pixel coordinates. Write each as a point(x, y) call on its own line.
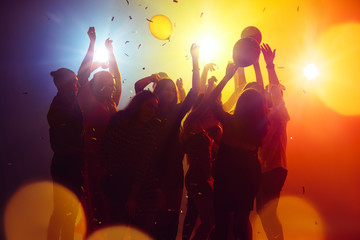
point(299, 219)
point(28, 212)
point(160, 27)
point(339, 83)
point(119, 232)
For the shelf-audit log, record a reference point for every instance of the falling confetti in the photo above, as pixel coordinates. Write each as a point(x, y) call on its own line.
point(175, 1)
point(149, 20)
point(143, 68)
point(264, 9)
point(146, 8)
point(139, 46)
point(201, 14)
point(303, 189)
point(130, 17)
point(280, 67)
point(112, 19)
point(304, 91)
point(126, 42)
point(127, 1)
point(126, 54)
point(25, 93)
point(163, 44)
point(298, 8)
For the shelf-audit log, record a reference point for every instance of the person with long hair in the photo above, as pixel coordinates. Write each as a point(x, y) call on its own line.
point(272, 154)
point(170, 153)
point(98, 100)
point(66, 139)
point(237, 170)
point(127, 152)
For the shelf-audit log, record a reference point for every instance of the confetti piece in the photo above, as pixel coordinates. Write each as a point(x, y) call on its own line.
point(201, 14)
point(304, 91)
point(149, 20)
point(25, 93)
point(146, 8)
point(127, 1)
point(112, 19)
point(298, 8)
point(126, 42)
point(175, 1)
point(291, 138)
point(303, 188)
point(264, 9)
point(280, 67)
point(130, 17)
point(126, 54)
point(143, 68)
point(315, 222)
point(139, 46)
point(163, 44)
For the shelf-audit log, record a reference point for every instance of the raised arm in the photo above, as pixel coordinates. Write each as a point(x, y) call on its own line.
point(142, 83)
point(239, 84)
point(218, 111)
point(194, 50)
point(269, 56)
point(258, 75)
point(208, 67)
point(114, 70)
point(85, 67)
point(181, 90)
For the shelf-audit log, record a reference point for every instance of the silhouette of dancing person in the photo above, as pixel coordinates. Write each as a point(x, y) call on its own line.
point(170, 153)
point(237, 170)
point(127, 150)
point(272, 153)
point(98, 100)
point(66, 139)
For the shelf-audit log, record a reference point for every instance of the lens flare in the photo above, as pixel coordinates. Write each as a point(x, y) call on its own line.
point(311, 71)
point(101, 54)
point(208, 49)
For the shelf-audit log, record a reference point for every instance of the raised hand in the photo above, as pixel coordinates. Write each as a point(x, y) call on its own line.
point(179, 83)
point(194, 50)
point(91, 33)
point(108, 45)
point(268, 54)
point(230, 70)
point(210, 67)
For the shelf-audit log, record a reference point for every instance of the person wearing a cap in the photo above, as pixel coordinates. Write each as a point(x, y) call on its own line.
point(98, 99)
point(66, 139)
point(272, 154)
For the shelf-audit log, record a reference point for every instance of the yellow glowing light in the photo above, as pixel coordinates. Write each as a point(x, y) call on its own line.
point(101, 54)
point(118, 232)
point(28, 212)
point(339, 82)
point(208, 49)
point(160, 27)
point(311, 71)
point(299, 219)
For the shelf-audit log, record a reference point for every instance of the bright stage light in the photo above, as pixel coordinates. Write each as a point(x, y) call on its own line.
point(100, 54)
point(311, 71)
point(208, 49)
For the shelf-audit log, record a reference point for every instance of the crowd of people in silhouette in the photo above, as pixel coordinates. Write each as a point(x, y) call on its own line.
point(126, 166)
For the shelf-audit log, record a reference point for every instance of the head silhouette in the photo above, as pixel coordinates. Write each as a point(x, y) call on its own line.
point(143, 106)
point(65, 81)
point(103, 86)
point(250, 112)
point(166, 91)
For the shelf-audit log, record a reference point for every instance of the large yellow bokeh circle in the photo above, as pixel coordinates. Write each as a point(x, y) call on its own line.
point(339, 83)
point(160, 27)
